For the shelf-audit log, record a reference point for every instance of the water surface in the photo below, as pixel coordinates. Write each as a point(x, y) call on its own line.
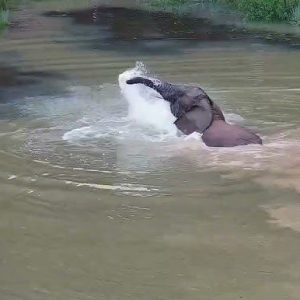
point(101, 197)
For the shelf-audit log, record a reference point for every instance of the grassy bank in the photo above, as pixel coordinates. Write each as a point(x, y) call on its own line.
point(265, 10)
point(252, 10)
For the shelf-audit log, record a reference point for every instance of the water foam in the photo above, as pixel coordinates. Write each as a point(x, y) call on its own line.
point(147, 116)
point(85, 132)
point(139, 113)
point(145, 106)
point(121, 187)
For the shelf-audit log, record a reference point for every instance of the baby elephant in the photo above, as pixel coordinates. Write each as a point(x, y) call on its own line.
point(195, 111)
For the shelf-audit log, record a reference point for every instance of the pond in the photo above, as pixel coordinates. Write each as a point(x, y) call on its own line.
point(101, 197)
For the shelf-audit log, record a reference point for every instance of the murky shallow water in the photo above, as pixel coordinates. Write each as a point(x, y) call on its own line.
point(97, 203)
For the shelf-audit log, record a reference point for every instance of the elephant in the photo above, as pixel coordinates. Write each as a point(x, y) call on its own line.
point(196, 112)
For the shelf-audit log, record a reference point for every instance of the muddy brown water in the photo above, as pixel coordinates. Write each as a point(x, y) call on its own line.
point(96, 206)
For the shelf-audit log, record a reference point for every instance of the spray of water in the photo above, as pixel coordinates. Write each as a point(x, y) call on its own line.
point(140, 122)
point(145, 106)
point(147, 114)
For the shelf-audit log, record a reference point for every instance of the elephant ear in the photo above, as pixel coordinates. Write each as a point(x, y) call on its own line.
point(196, 119)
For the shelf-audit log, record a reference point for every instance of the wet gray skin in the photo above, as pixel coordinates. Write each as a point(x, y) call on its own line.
point(96, 206)
point(196, 112)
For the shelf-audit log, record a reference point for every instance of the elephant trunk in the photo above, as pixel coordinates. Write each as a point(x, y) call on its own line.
point(168, 91)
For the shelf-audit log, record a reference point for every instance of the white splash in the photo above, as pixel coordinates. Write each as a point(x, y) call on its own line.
point(141, 114)
point(85, 132)
point(146, 107)
point(121, 187)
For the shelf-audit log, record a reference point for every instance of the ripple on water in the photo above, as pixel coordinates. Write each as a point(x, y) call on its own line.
point(285, 216)
point(127, 130)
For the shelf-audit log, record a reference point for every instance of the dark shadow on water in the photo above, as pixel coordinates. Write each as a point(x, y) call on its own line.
point(11, 77)
point(16, 84)
point(135, 30)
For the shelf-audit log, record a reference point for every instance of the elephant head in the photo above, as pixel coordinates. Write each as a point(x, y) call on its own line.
point(191, 106)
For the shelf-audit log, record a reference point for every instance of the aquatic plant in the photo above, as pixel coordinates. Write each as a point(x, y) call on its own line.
point(3, 18)
point(3, 13)
point(177, 6)
point(168, 2)
point(181, 7)
point(253, 10)
point(296, 15)
point(265, 10)
point(3, 5)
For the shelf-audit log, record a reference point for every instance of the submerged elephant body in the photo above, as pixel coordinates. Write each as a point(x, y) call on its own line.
point(195, 111)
